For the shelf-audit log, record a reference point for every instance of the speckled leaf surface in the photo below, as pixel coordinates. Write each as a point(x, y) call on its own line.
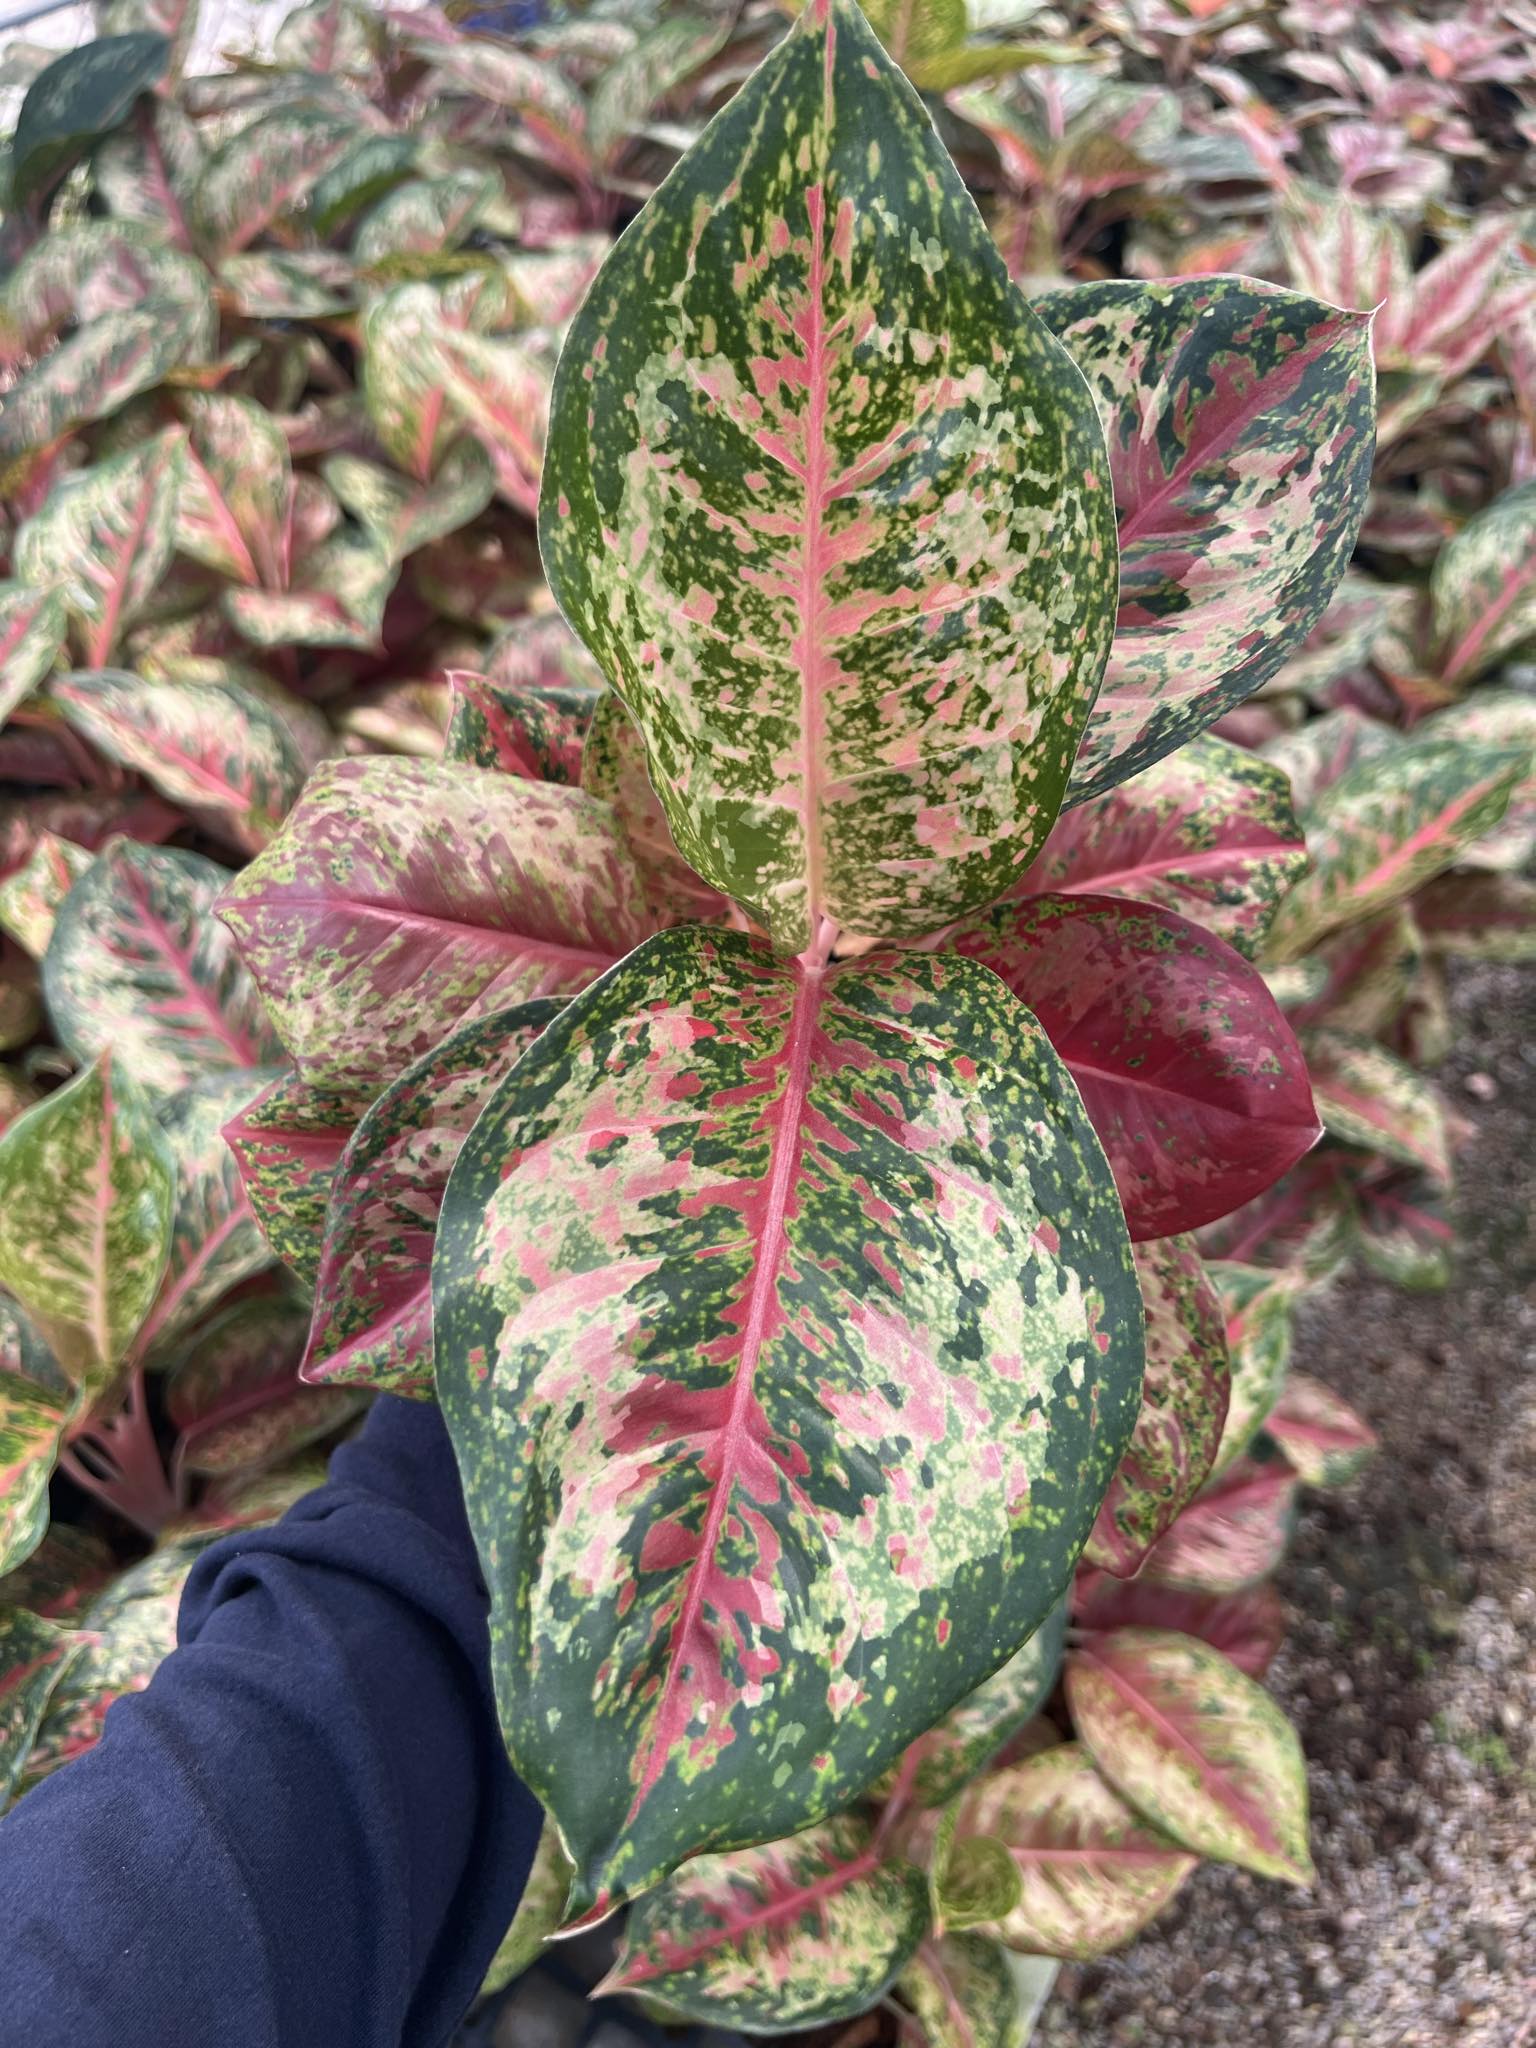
point(1231, 1535)
point(1198, 1748)
point(1389, 825)
point(1324, 1441)
point(966, 1993)
point(831, 507)
point(1093, 1873)
point(1494, 716)
point(1241, 423)
point(1324, 750)
point(532, 731)
point(104, 540)
point(31, 894)
point(87, 1192)
point(404, 897)
point(37, 1404)
point(236, 1397)
point(1483, 589)
point(1364, 976)
point(1208, 831)
point(233, 510)
point(139, 964)
point(265, 170)
point(338, 597)
point(1248, 1627)
point(613, 769)
point(663, 57)
point(402, 514)
point(215, 1240)
point(975, 1730)
point(793, 1934)
point(1369, 1097)
point(749, 1258)
point(1183, 1407)
point(33, 623)
point(1192, 1077)
point(1258, 1305)
point(34, 1656)
point(212, 743)
point(288, 1144)
point(373, 1294)
point(99, 368)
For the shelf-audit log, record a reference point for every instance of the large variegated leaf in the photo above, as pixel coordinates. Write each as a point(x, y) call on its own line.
point(87, 1194)
point(288, 1144)
point(1483, 589)
point(215, 1240)
point(373, 1294)
point(1194, 1745)
point(1231, 1535)
point(217, 743)
point(104, 539)
point(1367, 1096)
point(968, 1992)
point(820, 1334)
point(81, 270)
point(404, 897)
point(33, 623)
point(80, 96)
point(1209, 831)
point(1183, 1407)
point(236, 1397)
point(37, 1404)
point(100, 368)
point(34, 1656)
point(1247, 1627)
point(234, 503)
point(139, 964)
point(1324, 1441)
point(1092, 1872)
point(794, 1934)
point(949, 1755)
point(1195, 1084)
point(32, 894)
point(613, 768)
point(265, 170)
point(1389, 825)
point(832, 512)
point(1241, 422)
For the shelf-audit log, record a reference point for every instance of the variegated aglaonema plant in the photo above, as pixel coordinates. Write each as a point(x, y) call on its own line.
point(777, 1139)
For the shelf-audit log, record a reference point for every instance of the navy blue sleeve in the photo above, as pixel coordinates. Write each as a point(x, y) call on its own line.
point(305, 1832)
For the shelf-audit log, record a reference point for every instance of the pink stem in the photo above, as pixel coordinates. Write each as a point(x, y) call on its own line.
point(117, 1459)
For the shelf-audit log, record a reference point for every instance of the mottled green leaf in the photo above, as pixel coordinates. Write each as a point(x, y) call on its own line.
point(1388, 826)
point(1369, 1097)
point(1184, 1396)
point(266, 170)
point(1240, 421)
point(1505, 718)
point(757, 1285)
point(499, 389)
point(104, 539)
point(975, 1881)
point(402, 515)
point(425, 217)
point(1257, 1305)
point(337, 600)
point(236, 1396)
point(968, 1992)
point(1318, 754)
point(793, 1934)
point(1196, 1746)
point(1324, 1441)
point(100, 367)
point(1092, 1873)
point(80, 96)
point(613, 768)
point(87, 1193)
point(289, 284)
point(1360, 978)
point(949, 1755)
point(404, 396)
point(80, 271)
point(663, 57)
point(33, 623)
point(37, 1404)
point(831, 508)
point(1208, 831)
point(1483, 589)
point(373, 1294)
point(537, 733)
point(287, 1145)
point(138, 963)
point(30, 895)
point(233, 509)
point(369, 168)
point(403, 897)
point(34, 1656)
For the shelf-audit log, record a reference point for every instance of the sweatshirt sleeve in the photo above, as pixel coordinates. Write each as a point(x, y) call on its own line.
point(305, 1831)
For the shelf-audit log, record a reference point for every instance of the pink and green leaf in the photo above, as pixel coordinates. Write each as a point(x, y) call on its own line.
point(288, 1144)
point(404, 897)
point(613, 769)
point(537, 732)
point(139, 964)
point(266, 171)
point(37, 1405)
point(1483, 589)
point(1240, 422)
point(1247, 1627)
point(1324, 1441)
point(972, 1732)
point(1473, 917)
point(788, 467)
point(34, 1656)
point(795, 1934)
point(1258, 1304)
point(236, 1396)
point(1368, 1097)
point(967, 1991)
point(1196, 1746)
point(714, 1221)
point(31, 895)
point(233, 509)
point(33, 624)
point(402, 514)
point(1230, 1536)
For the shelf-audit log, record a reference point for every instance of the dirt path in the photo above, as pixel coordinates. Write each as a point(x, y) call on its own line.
point(1411, 1666)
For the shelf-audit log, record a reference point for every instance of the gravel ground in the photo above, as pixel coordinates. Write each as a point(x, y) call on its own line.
point(1410, 1669)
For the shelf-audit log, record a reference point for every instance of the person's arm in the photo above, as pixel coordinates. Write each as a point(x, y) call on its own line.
point(305, 1833)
